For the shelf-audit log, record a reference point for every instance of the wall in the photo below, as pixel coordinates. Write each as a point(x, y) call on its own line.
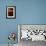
point(31, 11)
point(6, 25)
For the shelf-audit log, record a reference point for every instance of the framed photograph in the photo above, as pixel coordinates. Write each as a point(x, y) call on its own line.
point(11, 12)
point(26, 31)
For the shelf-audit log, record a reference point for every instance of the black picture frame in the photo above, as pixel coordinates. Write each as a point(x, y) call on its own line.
point(11, 12)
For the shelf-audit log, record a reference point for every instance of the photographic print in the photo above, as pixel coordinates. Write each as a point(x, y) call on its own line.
point(32, 32)
point(11, 12)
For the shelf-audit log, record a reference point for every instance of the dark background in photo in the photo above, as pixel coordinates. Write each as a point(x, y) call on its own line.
point(10, 11)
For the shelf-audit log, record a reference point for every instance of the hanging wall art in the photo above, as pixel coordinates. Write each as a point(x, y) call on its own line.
point(11, 12)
